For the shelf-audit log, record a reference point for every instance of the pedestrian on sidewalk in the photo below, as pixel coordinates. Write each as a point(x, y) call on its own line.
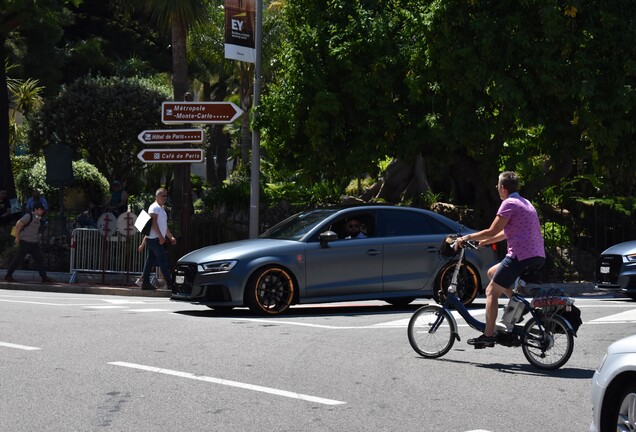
point(35, 199)
point(155, 241)
point(28, 240)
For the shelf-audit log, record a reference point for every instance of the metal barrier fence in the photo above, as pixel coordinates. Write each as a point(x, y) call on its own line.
point(96, 252)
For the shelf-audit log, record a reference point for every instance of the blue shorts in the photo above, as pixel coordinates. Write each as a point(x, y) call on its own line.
point(511, 268)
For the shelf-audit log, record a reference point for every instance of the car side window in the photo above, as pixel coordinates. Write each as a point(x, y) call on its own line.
point(408, 223)
point(363, 223)
point(366, 221)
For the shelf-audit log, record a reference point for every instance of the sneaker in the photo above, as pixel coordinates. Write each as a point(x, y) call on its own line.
point(9, 278)
point(504, 327)
point(147, 286)
point(482, 341)
point(46, 279)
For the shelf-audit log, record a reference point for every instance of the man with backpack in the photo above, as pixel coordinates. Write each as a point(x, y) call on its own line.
point(28, 240)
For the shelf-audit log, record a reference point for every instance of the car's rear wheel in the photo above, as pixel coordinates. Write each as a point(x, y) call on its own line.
point(467, 283)
point(270, 290)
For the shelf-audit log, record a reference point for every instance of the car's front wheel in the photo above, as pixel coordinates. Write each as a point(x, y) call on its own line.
point(270, 290)
point(619, 409)
point(467, 283)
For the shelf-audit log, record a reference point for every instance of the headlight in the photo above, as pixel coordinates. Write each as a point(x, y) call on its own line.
point(218, 266)
point(630, 258)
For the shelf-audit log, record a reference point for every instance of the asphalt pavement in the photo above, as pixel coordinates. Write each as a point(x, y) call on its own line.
point(124, 285)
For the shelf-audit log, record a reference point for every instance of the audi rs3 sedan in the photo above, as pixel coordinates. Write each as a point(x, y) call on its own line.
point(616, 269)
point(311, 257)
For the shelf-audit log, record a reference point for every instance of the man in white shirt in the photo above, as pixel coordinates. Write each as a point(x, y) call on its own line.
point(155, 240)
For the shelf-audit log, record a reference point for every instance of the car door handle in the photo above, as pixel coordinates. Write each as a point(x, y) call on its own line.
point(432, 249)
point(372, 252)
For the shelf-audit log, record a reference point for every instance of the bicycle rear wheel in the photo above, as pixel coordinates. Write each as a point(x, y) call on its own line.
point(549, 348)
point(431, 331)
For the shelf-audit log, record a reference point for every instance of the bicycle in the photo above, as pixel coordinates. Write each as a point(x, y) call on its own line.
point(546, 338)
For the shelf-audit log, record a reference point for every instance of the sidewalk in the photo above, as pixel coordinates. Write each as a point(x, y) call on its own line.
point(86, 284)
point(118, 285)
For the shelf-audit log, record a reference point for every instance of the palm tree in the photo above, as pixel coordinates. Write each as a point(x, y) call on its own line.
point(176, 16)
point(26, 97)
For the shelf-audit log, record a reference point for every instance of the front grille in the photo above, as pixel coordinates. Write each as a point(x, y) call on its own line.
point(608, 262)
point(189, 272)
point(216, 293)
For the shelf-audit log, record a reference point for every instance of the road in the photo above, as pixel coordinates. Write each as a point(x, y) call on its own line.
point(89, 362)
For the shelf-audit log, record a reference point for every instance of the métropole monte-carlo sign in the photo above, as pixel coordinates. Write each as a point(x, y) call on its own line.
point(199, 112)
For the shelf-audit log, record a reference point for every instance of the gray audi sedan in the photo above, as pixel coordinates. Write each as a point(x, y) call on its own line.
point(375, 252)
point(616, 269)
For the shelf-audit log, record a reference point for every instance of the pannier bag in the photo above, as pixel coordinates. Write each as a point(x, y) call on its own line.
point(446, 249)
point(573, 315)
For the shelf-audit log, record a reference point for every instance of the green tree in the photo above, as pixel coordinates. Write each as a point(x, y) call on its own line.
point(333, 108)
point(16, 18)
point(86, 178)
point(100, 119)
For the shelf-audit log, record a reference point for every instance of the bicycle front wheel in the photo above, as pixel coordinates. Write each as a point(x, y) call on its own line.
point(431, 331)
point(548, 348)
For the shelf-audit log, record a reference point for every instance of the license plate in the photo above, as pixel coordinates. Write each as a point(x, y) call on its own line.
point(179, 279)
point(605, 270)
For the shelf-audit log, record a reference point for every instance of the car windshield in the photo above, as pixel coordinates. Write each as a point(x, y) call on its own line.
point(296, 226)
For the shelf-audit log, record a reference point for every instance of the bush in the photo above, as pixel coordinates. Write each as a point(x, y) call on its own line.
point(86, 178)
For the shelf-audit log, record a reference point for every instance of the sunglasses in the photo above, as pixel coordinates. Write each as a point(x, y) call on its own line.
point(353, 226)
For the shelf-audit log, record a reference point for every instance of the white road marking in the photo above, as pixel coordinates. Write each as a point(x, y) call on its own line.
point(229, 383)
point(623, 317)
point(122, 302)
point(150, 310)
point(43, 303)
point(22, 347)
point(401, 323)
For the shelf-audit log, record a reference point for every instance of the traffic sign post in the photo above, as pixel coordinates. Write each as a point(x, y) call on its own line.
point(199, 112)
point(171, 155)
point(172, 136)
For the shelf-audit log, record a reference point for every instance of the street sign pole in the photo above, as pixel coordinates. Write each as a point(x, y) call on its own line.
point(256, 137)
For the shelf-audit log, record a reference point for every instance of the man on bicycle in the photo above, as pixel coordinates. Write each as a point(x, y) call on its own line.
point(518, 223)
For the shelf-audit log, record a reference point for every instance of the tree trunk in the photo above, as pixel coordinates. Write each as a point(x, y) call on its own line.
point(181, 197)
point(396, 178)
point(219, 140)
point(419, 183)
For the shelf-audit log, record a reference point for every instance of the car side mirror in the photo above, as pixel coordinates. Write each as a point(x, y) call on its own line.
point(326, 237)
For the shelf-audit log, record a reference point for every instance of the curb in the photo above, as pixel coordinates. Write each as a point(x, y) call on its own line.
point(30, 281)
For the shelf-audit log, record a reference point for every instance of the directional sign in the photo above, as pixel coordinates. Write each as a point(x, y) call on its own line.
point(171, 136)
point(171, 155)
point(199, 112)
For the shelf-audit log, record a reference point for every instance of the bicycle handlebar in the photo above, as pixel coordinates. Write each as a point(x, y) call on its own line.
point(471, 244)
